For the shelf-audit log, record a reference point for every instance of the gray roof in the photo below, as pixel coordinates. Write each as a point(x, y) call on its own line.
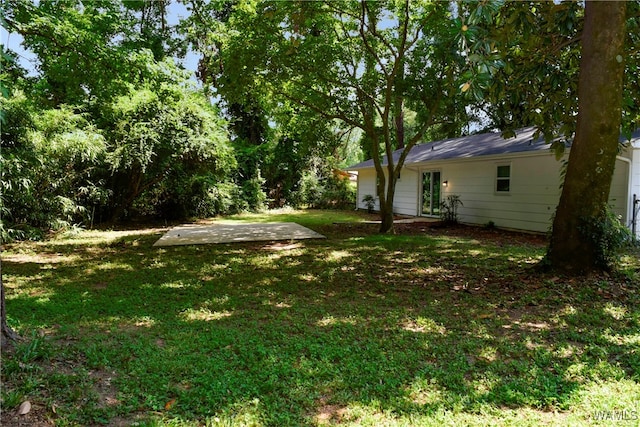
point(484, 144)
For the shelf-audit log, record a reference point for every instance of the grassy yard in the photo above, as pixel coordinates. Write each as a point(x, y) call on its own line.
point(431, 326)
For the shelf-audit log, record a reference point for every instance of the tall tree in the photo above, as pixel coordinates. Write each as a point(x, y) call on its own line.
point(73, 44)
point(362, 63)
point(534, 49)
point(152, 133)
point(154, 33)
point(578, 225)
point(561, 68)
point(91, 51)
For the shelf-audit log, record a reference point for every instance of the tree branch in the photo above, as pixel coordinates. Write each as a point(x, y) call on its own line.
point(367, 46)
point(323, 112)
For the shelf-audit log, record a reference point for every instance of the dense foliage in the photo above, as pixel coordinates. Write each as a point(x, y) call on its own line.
point(111, 127)
point(389, 69)
point(50, 163)
point(160, 151)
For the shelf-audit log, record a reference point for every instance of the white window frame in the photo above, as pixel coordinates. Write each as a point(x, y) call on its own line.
point(499, 178)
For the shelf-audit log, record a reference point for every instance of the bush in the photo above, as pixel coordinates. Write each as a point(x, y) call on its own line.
point(449, 209)
point(187, 196)
point(308, 190)
point(252, 194)
point(370, 202)
point(218, 199)
point(610, 235)
point(50, 168)
point(330, 192)
point(339, 193)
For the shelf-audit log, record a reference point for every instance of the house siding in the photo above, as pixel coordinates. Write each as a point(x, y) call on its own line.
point(635, 185)
point(407, 190)
point(404, 202)
point(529, 205)
point(366, 186)
point(533, 195)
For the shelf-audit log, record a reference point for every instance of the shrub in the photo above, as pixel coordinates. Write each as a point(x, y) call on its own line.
point(610, 235)
point(338, 193)
point(308, 191)
point(253, 195)
point(209, 198)
point(324, 192)
point(51, 161)
point(449, 209)
point(370, 202)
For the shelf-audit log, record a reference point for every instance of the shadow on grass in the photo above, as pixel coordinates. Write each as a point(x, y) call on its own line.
point(306, 333)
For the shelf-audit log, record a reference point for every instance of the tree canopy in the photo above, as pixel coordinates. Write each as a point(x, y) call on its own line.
point(108, 127)
point(570, 71)
point(364, 64)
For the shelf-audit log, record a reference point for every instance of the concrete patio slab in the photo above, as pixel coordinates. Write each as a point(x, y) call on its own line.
point(199, 234)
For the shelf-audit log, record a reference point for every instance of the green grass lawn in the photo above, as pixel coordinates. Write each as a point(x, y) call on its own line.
point(432, 326)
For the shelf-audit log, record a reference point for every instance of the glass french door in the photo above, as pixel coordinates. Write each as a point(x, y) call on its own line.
point(430, 193)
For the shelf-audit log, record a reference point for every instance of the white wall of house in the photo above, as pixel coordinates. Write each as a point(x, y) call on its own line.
point(635, 182)
point(528, 205)
point(366, 186)
point(407, 189)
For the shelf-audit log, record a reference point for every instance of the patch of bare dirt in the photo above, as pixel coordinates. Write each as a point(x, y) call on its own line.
point(38, 416)
point(328, 413)
point(39, 258)
point(104, 388)
point(492, 235)
point(485, 235)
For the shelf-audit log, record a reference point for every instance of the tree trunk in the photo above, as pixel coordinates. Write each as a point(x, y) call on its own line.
point(585, 192)
point(8, 334)
point(386, 216)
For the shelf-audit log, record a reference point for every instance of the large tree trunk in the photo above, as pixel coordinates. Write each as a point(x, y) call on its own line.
point(8, 334)
point(585, 193)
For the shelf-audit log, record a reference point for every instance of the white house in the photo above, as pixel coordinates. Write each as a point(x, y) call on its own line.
point(513, 183)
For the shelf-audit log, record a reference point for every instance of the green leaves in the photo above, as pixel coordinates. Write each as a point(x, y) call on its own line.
point(49, 166)
point(366, 64)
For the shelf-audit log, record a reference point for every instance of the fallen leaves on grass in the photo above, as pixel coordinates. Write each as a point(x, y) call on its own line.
point(24, 408)
point(169, 404)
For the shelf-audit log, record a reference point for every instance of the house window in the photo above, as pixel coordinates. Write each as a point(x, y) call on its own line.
point(503, 179)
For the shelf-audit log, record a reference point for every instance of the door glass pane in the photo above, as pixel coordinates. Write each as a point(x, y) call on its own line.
point(426, 193)
point(431, 193)
point(435, 196)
